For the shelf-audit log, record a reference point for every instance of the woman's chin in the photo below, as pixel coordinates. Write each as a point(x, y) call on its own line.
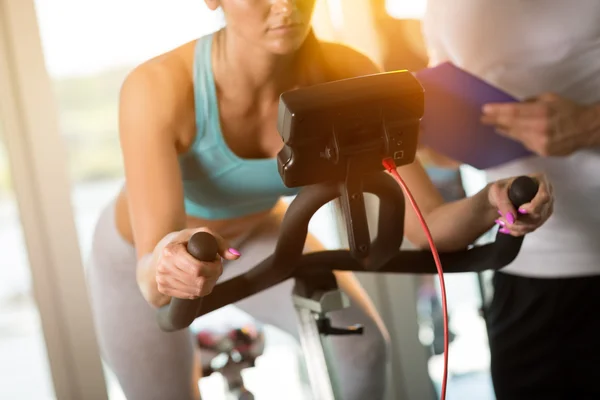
point(286, 43)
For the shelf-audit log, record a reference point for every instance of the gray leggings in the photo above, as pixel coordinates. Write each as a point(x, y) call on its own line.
point(153, 365)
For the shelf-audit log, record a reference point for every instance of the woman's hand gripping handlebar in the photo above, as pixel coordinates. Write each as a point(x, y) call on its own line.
point(287, 261)
point(180, 313)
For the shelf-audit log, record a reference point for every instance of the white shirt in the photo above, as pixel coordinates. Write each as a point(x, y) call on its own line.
point(527, 47)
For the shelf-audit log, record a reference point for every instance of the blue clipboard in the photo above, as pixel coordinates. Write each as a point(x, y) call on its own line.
point(451, 122)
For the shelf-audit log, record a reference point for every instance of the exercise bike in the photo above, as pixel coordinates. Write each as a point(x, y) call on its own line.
point(336, 135)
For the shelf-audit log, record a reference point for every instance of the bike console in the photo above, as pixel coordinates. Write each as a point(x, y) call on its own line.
point(362, 119)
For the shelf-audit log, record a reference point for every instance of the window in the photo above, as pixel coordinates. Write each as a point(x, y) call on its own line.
point(24, 371)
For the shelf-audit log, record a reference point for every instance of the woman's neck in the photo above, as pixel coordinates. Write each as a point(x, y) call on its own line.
point(249, 70)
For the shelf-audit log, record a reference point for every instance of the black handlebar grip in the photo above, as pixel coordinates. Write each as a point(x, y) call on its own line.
point(180, 313)
point(506, 247)
point(203, 246)
point(522, 190)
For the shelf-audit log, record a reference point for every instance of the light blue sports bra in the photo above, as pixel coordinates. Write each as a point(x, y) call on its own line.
point(218, 184)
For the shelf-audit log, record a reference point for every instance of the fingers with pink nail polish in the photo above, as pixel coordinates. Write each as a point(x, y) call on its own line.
point(234, 252)
point(504, 230)
point(510, 218)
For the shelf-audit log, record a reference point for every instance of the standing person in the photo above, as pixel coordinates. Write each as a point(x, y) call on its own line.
point(543, 320)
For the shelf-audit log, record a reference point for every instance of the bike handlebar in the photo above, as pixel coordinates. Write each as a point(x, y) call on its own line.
point(287, 261)
point(204, 247)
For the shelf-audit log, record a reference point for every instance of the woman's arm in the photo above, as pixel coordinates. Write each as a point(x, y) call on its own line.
point(154, 101)
point(151, 103)
point(147, 114)
point(454, 225)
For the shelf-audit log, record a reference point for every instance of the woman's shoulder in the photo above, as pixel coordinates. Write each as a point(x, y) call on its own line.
point(167, 70)
point(162, 82)
point(157, 96)
point(346, 61)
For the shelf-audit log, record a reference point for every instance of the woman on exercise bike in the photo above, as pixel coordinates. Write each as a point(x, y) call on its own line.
point(199, 141)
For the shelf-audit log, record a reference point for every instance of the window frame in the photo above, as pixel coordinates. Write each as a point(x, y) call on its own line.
point(38, 167)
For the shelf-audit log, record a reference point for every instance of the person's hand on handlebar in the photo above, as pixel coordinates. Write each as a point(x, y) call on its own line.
point(179, 274)
point(530, 216)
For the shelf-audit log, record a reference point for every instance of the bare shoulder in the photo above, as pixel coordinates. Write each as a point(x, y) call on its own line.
point(348, 62)
point(158, 90)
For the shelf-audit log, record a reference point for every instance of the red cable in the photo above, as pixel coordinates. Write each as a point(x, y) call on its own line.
point(390, 166)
